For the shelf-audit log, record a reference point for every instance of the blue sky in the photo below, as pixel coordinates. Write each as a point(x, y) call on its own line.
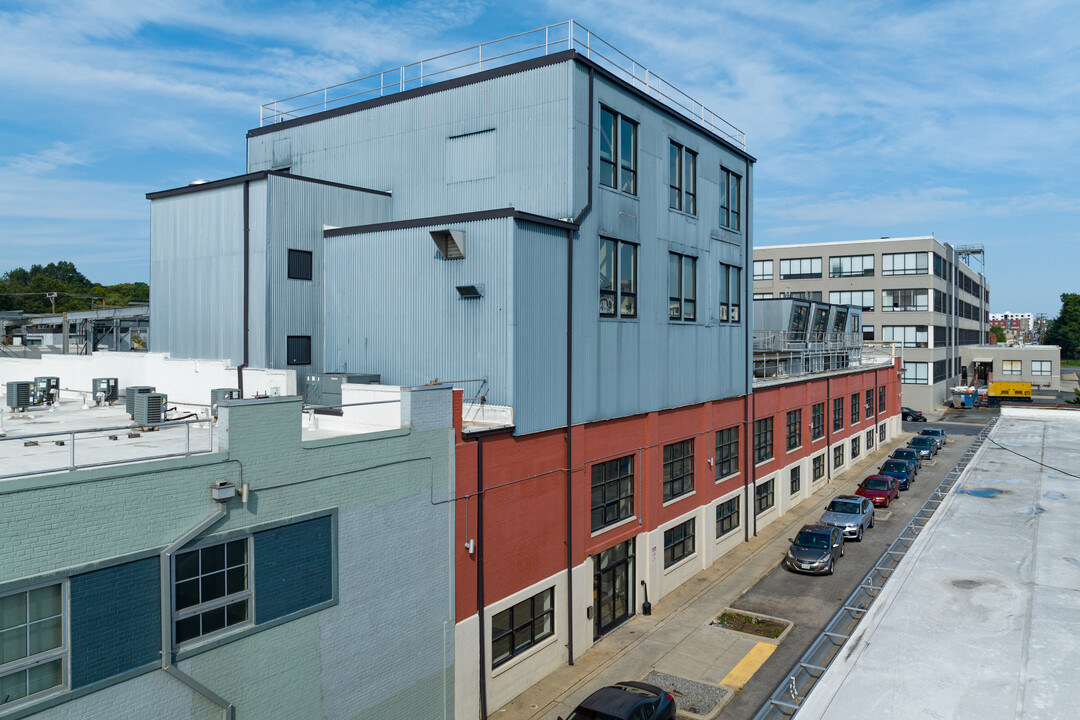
point(868, 119)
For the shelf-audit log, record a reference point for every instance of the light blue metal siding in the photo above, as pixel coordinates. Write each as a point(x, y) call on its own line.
point(624, 367)
point(407, 147)
point(196, 274)
point(540, 254)
point(392, 307)
point(295, 213)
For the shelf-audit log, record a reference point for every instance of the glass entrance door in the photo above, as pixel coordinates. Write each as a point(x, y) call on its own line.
point(613, 587)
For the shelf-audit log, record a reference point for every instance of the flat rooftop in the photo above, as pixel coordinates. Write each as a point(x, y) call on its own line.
point(982, 617)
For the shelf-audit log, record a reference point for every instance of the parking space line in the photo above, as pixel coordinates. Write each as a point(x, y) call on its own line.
point(750, 664)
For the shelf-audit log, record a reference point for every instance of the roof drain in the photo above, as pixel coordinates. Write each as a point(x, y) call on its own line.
point(166, 616)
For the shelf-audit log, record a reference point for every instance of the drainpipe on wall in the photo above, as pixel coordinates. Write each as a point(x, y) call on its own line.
point(747, 291)
point(247, 281)
point(166, 557)
point(480, 571)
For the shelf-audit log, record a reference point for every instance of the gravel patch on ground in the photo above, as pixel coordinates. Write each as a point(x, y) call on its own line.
point(690, 696)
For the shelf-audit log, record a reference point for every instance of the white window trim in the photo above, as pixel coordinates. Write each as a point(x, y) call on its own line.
point(62, 653)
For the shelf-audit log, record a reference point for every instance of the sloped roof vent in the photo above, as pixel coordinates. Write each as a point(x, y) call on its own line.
point(451, 243)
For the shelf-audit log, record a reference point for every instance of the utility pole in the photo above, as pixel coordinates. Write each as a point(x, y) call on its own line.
point(52, 299)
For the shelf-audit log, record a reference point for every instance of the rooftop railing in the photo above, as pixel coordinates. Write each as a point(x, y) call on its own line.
point(569, 35)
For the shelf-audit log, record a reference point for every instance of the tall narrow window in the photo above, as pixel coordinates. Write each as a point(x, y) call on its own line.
point(618, 151)
point(794, 429)
point(763, 440)
point(838, 414)
point(727, 452)
point(618, 279)
point(730, 199)
point(817, 421)
point(682, 178)
point(730, 282)
point(678, 469)
point(854, 408)
point(869, 403)
point(682, 287)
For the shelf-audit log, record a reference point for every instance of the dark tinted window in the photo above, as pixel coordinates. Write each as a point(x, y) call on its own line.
point(298, 350)
point(299, 265)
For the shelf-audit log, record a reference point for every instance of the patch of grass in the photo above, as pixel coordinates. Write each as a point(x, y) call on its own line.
point(1070, 362)
point(751, 625)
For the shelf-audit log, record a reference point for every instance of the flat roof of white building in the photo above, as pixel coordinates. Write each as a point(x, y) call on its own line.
point(982, 617)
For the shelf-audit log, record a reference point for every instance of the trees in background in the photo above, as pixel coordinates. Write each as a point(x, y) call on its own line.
point(1064, 330)
point(28, 290)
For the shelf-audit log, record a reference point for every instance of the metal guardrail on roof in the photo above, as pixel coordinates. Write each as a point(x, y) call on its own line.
point(789, 696)
point(569, 35)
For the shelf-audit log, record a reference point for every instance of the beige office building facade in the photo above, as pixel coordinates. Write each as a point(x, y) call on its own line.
point(914, 291)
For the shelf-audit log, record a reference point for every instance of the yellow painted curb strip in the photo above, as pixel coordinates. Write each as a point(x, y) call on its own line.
point(751, 662)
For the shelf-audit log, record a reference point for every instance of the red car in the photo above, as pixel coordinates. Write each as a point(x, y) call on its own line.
point(881, 489)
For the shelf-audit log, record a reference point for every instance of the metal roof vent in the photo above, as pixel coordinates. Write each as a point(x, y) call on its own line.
point(470, 292)
point(451, 243)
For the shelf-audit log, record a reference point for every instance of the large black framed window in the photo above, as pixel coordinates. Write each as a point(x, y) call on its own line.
point(727, 452)
point(519, 627)
point(763, 440)
point(678, 469)
point(838, 414)
point(727, 517)
point(678, 543)
point(682, 178)
point(819, 466)
point(817, 421)
point(730, 199)
point(618, 278)
point(854, 408)
point(618, 151)
point(881, 399)
point(796, 479)
point(682, 287)
point(764, 496)
point(869, 403)
point(612, 492)
point(837, 456)
point(211, 589)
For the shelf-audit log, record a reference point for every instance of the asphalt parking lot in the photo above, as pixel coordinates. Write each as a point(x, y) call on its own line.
point(811, 601)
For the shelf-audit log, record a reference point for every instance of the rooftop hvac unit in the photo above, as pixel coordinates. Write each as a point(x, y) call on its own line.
point(131, 392)
point(46, 390)
point(150, 408)
point(20, 395)
point(106, 390)
point(219, 394)
point(325, 389)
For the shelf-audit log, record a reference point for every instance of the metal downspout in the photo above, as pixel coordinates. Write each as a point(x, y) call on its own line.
point(247, 284)
point(748, 317)
point(480, 571)
point(166, 616)
point(570, 390)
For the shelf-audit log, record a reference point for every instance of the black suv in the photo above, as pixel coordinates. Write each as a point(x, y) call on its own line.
point(914, 415)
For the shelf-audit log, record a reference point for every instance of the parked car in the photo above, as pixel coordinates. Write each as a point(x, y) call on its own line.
point(907, 413)
point(881, 489)
point(850, 513)
point(902, 470)
point(926, 445)
point(814, 549)
point(629, 700)
point(907, 454)
point(936, 433)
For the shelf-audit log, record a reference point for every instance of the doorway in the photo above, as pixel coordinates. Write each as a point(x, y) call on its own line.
point(613, 587)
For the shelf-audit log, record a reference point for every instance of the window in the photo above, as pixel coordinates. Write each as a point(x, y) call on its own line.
point(678, 469)
point(837, 456)
point(869, 403)
point(819, 467)
point(851, 266)
point(612, 491)
point(941, 302)
point(854, 447)
point(941, 370)
point(730, 199)
point(764, 496)
point(838, 414)
point(855, 408)
point(682, 287)
point(916, 336)
point(521, 626)
point(763, 440)
point(763, 270)
point(904, 300)
point(763, 296)
point(800, 268)
point(33, 644)
point(795, 479)
point(881, 399)
point(1011, 367)
point(915, 373)
point(817, 421)
point(727, 452)
point(914, 263)
point(1040, 367)
point(298, 350)
point(858, 298)
point(794, 429)
point(727, 517)
point(618, 151)
point(869, 439)
point(682, 178)
point(868, 333)
point(881, 433)
point(211, 591)
point(730, 290)
point(678, 543)
point(618, 278)
point(299, 265)
point(803, 295)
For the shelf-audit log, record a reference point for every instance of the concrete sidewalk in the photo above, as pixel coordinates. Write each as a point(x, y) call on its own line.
point(676, 639)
